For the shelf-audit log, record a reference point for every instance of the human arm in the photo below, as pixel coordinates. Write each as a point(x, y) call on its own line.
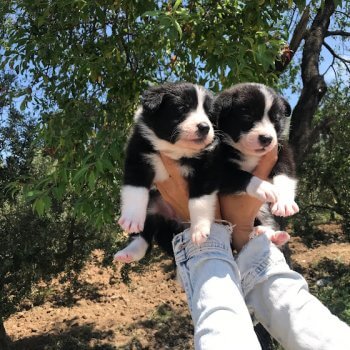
point(174, 190)
point(242, 210)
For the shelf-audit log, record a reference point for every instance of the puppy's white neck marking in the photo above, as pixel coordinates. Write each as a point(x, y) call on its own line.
point(161, 174)
point(248, 162)
point(169, 149)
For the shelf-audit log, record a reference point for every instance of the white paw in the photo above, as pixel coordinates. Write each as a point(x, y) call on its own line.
point(262, 190)
point(277, 237)
point(123, 257)
point(134, 208)
point(132, 222)
point(134, 251)
point(284, 207)
point(200, 233)
point(280, 238)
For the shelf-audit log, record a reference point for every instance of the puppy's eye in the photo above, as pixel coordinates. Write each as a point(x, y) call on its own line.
point(184, 108)
point(245, 113)
point(247, 117)
point(274, 117)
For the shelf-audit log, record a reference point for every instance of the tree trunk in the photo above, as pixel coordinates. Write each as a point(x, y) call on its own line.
point(314, 86)
point(4, 344)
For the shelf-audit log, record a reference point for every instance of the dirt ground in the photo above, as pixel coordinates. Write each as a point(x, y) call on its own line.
point(132, 307)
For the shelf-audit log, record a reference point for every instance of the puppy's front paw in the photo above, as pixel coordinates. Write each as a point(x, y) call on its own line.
point(134, 208)
point(200, 234)
point(262, 190)
point(132, 222)
point(284, 207)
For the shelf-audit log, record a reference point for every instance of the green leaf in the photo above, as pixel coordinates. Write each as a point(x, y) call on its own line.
point(301, 4)
point(39, 206)
point(92, 180)
point(177, 4)
point(80, 173)
point(23, 105)
point(178, 28)
point(151, 13)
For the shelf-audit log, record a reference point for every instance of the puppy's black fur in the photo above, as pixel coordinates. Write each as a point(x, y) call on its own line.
point(243, 113)
point(236, 111)
point(174, 119)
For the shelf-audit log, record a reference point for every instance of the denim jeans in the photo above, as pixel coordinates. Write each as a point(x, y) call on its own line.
point(220, 290)
point(211, 280)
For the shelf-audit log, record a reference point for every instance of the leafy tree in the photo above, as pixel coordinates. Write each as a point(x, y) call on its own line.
point(318, 22)
point(33, 248)
point(86, 62)
point(83, 64)
point(325, 181)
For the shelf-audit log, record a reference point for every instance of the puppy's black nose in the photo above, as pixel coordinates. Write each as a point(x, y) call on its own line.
point(265, 140)
point(203, 128)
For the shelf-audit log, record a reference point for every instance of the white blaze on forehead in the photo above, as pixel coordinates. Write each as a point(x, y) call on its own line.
point(249, 142)
point(189, 127)
point(187, 144)
point(268, 100)
point(264, 127)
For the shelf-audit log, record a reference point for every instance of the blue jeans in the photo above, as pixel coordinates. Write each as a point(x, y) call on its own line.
point(220, 290)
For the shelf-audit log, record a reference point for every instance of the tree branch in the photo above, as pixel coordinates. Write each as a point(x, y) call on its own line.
point(298, 35)
point(300, 30)
point(314, 85)
point(334, 54)
point(337, 32)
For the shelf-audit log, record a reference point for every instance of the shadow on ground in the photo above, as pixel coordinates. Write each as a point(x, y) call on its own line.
point(165, 328)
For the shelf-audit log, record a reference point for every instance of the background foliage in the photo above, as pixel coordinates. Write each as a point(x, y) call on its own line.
point(324, 189)
point(83, 65)
point(72, 73)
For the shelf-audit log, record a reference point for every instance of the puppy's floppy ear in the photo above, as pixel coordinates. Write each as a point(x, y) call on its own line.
point(287, 107)
point(152, 98)
point(222, 102)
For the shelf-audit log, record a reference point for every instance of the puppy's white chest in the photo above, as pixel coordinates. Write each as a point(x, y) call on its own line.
point(249, 163)
point(161, 174)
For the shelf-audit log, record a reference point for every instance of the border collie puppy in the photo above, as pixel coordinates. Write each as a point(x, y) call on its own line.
point(252, 119)
point(174, 118)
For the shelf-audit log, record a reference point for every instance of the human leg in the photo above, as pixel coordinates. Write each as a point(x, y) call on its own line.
point(279, 299)
point(212, 284)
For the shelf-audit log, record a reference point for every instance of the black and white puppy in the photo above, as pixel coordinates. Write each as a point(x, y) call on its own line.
point(174, 119)
point(251, 119)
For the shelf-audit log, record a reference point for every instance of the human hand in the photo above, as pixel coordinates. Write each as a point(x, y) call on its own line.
point(242, 210)
point(174, 190)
